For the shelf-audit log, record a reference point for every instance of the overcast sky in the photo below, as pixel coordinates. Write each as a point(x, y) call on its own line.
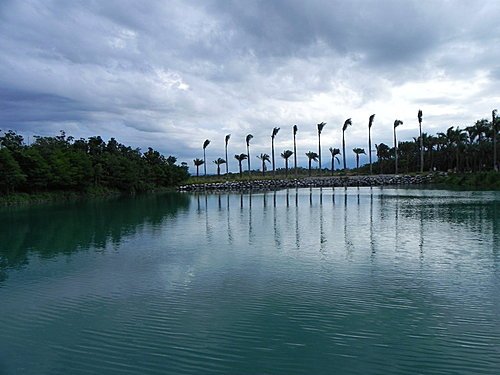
point(170, 74)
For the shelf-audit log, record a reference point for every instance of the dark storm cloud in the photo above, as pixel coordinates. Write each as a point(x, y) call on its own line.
point(169, 74)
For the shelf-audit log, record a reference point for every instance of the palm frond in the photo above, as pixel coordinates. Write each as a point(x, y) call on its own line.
point(227, 138)
point(249, 138)
point(275, 131)
point(206, 143)
point(295, 128)
point(370, 121)
point(347, 123)
point(419, 116)
point(321, 125)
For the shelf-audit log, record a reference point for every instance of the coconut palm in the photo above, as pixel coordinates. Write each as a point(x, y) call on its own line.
point(227, 160)
point(383, 153)
point(197, 162)
point(205, 144)
point(295, 128)
point(240, 159)
point(334, 152)
point(264, 158)
point(358, 151)
point(370, 123)
point(419, 115)
point(311, 156)
point(321, 125)
point(494, 128)
point(218, 162)
point(275, 131)
point(347, 123)
point(248, 139)
point(396, 124)
point(285, 155)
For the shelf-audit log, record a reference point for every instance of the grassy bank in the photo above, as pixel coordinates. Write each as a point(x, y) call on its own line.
point(477, 180)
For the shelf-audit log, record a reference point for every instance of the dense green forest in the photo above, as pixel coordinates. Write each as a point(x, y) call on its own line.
point(62, 163)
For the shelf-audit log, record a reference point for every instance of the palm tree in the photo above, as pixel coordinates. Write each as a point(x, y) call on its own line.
point(347, 123)
point(240, 159)
point(295, 128)
point(396, 124)
point(358, 151)
point(383, 152)
point(219, 161)
point(226, 142)
point(205, 144)
point(494, 128)
point(197, 162)
point(419, 115)
point(264, 158)
point(248, 139)
point(370, 123)
point(311, 156)
point(321, 125)
point(285, 155)
point(334, 152)
point(275, 131)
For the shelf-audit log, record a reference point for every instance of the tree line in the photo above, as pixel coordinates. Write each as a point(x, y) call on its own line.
point(473, 148)
point(62, 163)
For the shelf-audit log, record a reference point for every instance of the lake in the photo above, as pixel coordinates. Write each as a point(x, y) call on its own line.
point(306, 281)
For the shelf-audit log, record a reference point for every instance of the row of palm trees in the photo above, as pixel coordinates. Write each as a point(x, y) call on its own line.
point(383, 151)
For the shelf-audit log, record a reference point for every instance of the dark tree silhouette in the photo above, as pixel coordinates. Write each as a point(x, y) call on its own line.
point(248, 139)
point(205, 144)
point(285, 155)
point(264, 158)
point(358, 151)
point(197, 162)
point(240, 159)
point(370, 123)
point(321, 125)
point(226, 141)
point(419, 115)
point(334, 152)
point(218, 162)
point(396, 124)
point(273, 135)
point(311, 156)
point(347, 123)
point(295, 128)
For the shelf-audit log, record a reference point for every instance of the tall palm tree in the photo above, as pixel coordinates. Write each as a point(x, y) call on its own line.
point(383, 153)
point(334, 152)
point(218, 162)
point(264, 158)
point(347, 123)
point(370, 123)
point(226, 142)
point(240, 159)
point(494, 128)
point(275, 131)
point(295, 128)
point(197, 162)
point(311, 156)
point(419, 115)
point(205, 144)
point(285, 155)
point(248, 139)
point(358, 151)
point(396, 124)
point(321, 125)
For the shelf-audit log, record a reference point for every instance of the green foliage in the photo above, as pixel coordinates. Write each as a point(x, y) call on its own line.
point(61, 163)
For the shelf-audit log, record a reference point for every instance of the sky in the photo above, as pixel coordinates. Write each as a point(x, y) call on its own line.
point(170, 74)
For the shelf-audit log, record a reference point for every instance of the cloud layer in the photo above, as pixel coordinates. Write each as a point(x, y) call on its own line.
point(169, 74)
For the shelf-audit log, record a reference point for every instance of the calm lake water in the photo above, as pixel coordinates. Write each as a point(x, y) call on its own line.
point(320, 281)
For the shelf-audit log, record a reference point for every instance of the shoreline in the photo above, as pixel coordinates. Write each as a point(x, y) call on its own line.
point(330, 181)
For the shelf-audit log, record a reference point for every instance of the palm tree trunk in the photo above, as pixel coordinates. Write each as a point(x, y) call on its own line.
point(343, 149)
point(357, 161)
point(309, 167)
point(248, 160)
point(395, 152)
point(319, 152)
point(272, 147)
point(370, 148)
point(286, 168)
point(333, 165)
point(494, 128)
point(204, 162)
point(421, 149)
point(263, 166)
point(218, 170)
point(227, 162)
point(197, 171)
point(241, 169)
point(295, 154)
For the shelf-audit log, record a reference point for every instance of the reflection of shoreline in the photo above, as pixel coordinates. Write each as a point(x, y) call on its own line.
point(63, 229)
